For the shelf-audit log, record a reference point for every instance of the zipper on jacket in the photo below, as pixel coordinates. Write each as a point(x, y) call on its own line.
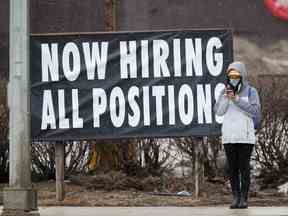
point(247, 127)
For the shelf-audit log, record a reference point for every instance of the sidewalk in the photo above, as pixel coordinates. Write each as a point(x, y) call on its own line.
point(162, 211)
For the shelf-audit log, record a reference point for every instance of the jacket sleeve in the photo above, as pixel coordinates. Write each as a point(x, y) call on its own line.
point(221, 104)
point(252, 107)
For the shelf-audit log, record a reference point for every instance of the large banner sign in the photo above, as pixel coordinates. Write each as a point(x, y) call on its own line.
point(127, 84)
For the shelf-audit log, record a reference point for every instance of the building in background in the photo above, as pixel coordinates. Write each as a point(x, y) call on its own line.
point(249, 19)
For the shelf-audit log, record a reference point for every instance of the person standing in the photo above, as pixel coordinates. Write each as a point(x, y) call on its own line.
point(239, 105)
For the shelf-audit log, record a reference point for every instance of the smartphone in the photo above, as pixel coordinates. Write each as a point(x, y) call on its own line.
point(229, 91)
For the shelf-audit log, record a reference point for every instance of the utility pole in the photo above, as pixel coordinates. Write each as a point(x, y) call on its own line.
point(19, 197)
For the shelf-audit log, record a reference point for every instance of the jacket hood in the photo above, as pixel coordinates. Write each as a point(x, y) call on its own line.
point(241, 68)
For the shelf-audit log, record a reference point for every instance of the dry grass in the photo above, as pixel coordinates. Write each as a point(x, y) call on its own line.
point(211, 194)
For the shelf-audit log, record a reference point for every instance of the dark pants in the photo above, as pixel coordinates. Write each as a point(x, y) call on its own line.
point(238, 157)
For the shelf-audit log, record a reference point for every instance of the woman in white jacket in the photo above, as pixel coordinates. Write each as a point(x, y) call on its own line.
point(239, 104)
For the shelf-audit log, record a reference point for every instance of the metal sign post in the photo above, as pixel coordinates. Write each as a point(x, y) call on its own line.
point(19, 197)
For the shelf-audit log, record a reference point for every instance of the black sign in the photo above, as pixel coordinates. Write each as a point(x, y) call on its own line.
point(127, 84)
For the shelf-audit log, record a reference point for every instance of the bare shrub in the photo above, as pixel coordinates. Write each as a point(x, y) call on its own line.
point(153, 157)
point(76, 157)
point(272, 144)
point(43, 159)
point(208, 151)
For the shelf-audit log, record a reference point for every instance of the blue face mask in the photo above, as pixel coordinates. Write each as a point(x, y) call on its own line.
point(234, 82)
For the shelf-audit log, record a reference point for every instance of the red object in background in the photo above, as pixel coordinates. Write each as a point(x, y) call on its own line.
point(277, 8)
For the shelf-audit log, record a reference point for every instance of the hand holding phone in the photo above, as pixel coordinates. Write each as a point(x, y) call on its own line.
point(229, 93)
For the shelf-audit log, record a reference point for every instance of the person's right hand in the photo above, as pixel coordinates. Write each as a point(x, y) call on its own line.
point(229, 94)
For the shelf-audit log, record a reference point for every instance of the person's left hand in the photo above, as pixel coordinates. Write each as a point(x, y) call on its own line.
point(230, 95)
point(235, 97)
